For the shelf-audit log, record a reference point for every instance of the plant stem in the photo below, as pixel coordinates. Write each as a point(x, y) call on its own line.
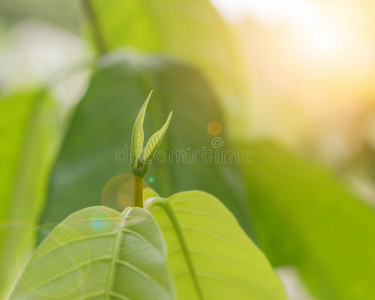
point(184, 247)
point(138, 191)
point(95, 26)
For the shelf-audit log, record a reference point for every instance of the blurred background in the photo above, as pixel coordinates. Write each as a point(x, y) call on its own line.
point(293, 81)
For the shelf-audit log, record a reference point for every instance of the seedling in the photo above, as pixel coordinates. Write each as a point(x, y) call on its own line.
point(142, 157)
point(187, 247)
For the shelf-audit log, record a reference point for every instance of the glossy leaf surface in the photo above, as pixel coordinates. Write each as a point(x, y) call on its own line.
point(209, 255)
point(98, 253)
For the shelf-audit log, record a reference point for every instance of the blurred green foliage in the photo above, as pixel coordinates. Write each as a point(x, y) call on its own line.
point(190, 30)
point(301, 214)
point(305, 217)
point(29, 134)
point(63, 13)
point(225, 264)
point(101, 127)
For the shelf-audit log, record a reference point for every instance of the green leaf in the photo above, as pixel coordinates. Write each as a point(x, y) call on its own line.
point(305, 217)
point(149, 193)
point(190, 30)
point(138, 135)
point(209, 255)
point(155, 141)
point(100, 131)
point(141, 158)
point(29, 135)
point(99, 253)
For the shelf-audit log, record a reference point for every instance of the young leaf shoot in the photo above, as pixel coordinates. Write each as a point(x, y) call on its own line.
point(142, 157)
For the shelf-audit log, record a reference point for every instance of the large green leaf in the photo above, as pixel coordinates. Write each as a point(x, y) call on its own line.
point(99, 253)
point(28, 131)
point(191, 30)
point(305, 217)
point(209, 255)
point(103, 124)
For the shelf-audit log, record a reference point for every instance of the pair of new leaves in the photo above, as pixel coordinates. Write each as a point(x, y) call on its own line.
point(141, 157)
point(188, 246)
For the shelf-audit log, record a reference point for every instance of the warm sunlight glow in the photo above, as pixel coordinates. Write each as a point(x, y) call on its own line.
point(314, 36)
point(313, 64)
point(323, 43)
point(268, 11)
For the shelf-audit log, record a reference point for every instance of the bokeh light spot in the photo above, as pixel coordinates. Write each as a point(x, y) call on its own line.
point(118, 193)
point(73, 255)
point(124, 201)
point(214, 128)
point(100, 222)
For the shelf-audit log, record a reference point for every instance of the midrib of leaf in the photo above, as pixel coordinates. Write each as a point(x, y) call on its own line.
point(115, 254)
point(185, 249)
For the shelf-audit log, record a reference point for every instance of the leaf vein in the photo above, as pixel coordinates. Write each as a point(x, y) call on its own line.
point(200, 213)
point(119, 296)
point(239, 287)
point(142, 238)
point(214, 236)
point(69, 271)
point(142, 274)
point(217, 258)
point(189, 200)
point(81, 239)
